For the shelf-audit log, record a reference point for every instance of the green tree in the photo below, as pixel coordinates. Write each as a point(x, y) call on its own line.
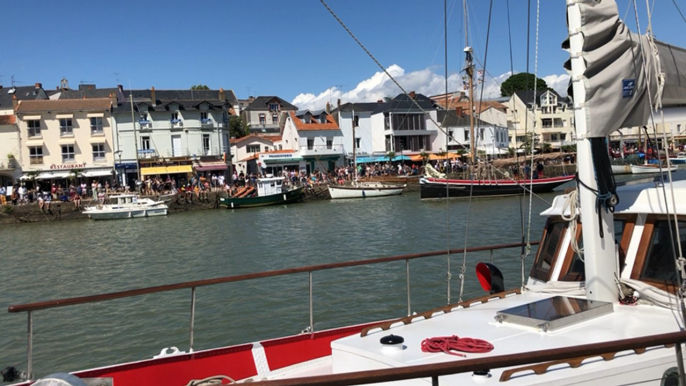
point(546, 147)
point(200, 87)
point(519, 82)
point(237, 128)
point(390, 155)
point(526, 145)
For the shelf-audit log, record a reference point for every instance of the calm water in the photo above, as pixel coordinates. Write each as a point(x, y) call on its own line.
point(57, 260)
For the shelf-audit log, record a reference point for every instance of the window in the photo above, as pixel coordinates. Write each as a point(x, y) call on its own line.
point(553, 137)
point(548, 249)
point(408, 122)
point(252, 148)
point(563, 136)
point(263, 119)
point(357, 142)
point(203, 117)
point(329, 143)
point(678, 128)
point(275, 118)
point(67, 153)
point(310, 143)
point(66, 127)
point(96, 125)
point(466, 134)
point(98, 152)
point(206, 144)
point(659, 259)
point(547, 123)
point(175, 117)
point(34, 128)
point(356, 120)
point(273, 107)
point(481, 134)
point(145, 143)
point(36, 155)
point(574, 269)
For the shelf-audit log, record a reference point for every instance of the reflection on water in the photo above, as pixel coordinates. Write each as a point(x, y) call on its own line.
point(57, 260)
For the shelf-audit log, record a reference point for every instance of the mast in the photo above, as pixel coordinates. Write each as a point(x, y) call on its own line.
point(599, 255)
point(354, 148)
point(135, 136)
point(470, 73)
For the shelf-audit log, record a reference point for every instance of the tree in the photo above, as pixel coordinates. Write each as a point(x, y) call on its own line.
point(546, 147)
point(526, 145)
point(425, 156)
point(390, 155)
point(237, 128)
point(519, 82)
point(200, 87)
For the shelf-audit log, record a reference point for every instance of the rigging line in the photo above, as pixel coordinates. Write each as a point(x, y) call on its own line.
point(525, 248)
point(678, 9)
point(380, 65)
point(531, 180)
point(447, 140)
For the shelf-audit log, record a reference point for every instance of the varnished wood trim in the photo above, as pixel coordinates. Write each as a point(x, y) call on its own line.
point(538, 273)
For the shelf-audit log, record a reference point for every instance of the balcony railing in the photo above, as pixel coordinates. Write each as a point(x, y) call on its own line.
point(321, 149)
point(147, 153)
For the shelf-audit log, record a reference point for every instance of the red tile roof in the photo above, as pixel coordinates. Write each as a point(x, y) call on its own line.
point(314, 126)
point(8, 119)
point(253, 137)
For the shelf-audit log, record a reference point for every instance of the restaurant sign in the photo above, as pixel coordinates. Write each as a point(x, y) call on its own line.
point(272, 156)
point(67, 166)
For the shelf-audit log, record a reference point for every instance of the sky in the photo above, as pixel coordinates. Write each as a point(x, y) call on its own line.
point(292, 49)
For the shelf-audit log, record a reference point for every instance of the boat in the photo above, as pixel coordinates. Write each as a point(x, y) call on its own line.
point(366, 189)
point(652, 168)
point(442, 187)
point(609, 314)
point(680, 159)
point(269, 190)
point(126, 206)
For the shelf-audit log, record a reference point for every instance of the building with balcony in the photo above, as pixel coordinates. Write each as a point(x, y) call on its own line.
point(10, 151)
point(62, 139)
point(490, 140)
point(245, 151)
point(316, 139)
point(262, 114)
point(359, 115)
point(546, 114)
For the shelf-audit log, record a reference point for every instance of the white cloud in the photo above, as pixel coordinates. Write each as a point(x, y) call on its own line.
point(424, 81)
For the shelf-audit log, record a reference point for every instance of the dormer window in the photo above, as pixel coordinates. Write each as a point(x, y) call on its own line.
point(273, 107)
point(175, 117)
point(322, 118)
point(204, 117)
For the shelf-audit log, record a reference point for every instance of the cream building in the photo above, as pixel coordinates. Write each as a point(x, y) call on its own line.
point(60, 137)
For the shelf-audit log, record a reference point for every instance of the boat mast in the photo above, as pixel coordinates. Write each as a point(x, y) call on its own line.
point(470, 74)
point(354, 148)
point(599, 252)
point(135, 136)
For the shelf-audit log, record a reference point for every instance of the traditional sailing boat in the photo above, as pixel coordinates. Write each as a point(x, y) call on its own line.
point(362, 189)
point(612, 314)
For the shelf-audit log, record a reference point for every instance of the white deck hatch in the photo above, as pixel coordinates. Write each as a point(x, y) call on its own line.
point(554, 313)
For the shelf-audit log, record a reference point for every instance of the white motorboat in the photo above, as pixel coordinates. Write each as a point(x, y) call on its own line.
point(652, 169)
point(680, 159)
point(365, 190)
point(127, 206)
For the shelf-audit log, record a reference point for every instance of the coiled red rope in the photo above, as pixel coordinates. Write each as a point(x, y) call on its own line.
point(450, 344)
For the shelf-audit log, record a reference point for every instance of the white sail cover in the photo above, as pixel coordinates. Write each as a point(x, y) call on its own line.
point(619, 65)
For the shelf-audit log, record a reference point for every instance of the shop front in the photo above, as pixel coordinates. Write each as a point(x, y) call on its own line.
point(280, 163)
point(180, 173)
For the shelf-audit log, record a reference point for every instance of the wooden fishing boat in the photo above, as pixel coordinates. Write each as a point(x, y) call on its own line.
point(270, 191)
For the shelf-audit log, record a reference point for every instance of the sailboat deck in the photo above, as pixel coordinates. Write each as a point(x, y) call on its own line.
point(356, 353)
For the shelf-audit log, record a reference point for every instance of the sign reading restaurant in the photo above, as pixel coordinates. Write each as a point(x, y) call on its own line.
point(67, 166)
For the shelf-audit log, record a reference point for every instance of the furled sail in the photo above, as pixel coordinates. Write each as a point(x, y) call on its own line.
point(624, 71)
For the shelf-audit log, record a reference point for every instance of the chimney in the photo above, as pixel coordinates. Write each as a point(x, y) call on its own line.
point(39, 85)
point(120, 87)
point(15, 102)
point(113, 99)
point(153, 96)
point(412, 94)
point(379, 101)
point(251, 99)
point(328, 108)
point(338, 103)
point(222, 94)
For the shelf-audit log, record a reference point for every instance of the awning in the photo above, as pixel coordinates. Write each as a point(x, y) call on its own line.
point(31, 117)
point(61, 116)
point(210, 165)
point(25, 177)
point(66, 141)
point(103, 172)
point(97, 140)
point(291, 160)
point(53, 175)
point(166, 170)
point(34, 142)
point(95, 115)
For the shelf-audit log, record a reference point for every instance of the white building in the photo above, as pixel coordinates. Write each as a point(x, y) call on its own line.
point(316, 138)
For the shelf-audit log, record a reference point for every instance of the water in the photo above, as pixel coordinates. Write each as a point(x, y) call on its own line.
point(45, 261)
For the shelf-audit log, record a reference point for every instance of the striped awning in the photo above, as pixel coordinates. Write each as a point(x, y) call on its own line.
point(176, 169)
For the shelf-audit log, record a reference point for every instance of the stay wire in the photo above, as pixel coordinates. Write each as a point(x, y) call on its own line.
point(679, 10)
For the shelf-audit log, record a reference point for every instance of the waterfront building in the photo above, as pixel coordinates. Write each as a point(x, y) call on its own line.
point(63, 139)
point(245, 151)
point(491, 140)
point(262, 114)
point(315, 139)
point(360, 115)
point(550, 117)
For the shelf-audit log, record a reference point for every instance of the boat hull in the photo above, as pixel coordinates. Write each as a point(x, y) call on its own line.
point(272, 199)
point(621, 169)
point(441, 188)
point(116, 214)
point(677, 161)
point(365, 191)
point(650, 169)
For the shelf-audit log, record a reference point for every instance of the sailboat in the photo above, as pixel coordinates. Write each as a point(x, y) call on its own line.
point(441, 187)
point(363, 189)
point(610, 314)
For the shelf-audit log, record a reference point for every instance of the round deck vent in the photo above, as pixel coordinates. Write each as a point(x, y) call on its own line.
point(392, 342)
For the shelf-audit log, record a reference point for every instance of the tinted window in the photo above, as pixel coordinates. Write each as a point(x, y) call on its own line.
point(659, 264)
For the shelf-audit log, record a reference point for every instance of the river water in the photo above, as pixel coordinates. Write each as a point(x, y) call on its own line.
point(46, 261)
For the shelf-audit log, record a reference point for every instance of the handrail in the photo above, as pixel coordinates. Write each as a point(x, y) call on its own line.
point(27, 307)
point(492, 362)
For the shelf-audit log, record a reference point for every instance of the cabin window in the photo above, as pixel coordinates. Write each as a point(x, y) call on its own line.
point(659, 265)
point(547, 251)
point(574, 269)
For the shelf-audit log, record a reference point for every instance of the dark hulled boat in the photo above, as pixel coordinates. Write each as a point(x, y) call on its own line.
point(441, 187)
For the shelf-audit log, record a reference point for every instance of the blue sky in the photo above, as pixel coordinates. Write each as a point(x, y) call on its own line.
point(293, 49)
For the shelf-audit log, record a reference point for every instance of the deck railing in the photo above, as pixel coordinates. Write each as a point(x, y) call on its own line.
point(193, 285)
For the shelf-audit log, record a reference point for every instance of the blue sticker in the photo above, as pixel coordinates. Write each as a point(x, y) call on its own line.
point(628, 88)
